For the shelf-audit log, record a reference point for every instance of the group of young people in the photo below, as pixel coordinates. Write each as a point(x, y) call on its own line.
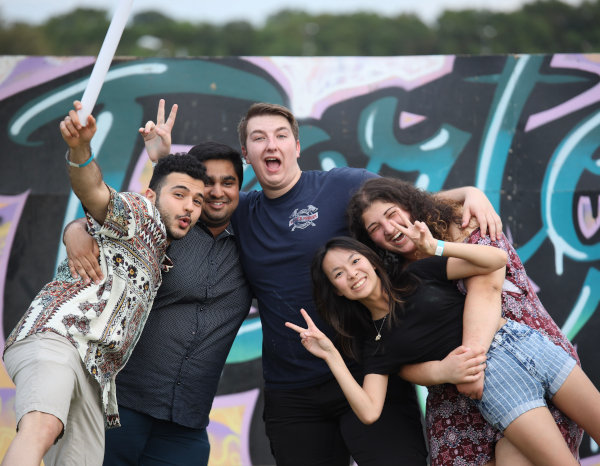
point(395, 320)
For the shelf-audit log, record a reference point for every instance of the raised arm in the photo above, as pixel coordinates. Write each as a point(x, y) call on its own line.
point(476, 204)
point(366, 401)
point(465, 260)
point(157, 136)
point(85, 175)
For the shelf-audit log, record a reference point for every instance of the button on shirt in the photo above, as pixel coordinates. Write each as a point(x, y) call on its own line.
point(104, 321)
point(175, 368)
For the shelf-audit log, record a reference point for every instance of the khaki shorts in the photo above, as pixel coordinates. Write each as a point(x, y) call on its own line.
point(50, 378)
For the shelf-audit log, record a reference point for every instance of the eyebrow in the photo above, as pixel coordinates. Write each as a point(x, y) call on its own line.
point(352, 254)
point(281, 128)
point(185, 188)
point(384, 213)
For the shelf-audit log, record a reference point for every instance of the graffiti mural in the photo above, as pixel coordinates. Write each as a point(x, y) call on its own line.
point(523, 128)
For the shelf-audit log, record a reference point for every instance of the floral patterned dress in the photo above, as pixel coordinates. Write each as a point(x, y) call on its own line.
point(458, 435)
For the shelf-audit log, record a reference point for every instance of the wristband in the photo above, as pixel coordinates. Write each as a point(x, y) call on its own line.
point(439, 250)
point(79, 165)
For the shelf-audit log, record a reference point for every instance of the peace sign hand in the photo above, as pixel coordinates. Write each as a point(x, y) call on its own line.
point(157, 136)
point(418, 232)
point(315, 341)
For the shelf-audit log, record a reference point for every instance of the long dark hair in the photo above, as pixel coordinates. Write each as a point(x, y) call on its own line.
point(438, 214)
point(348, 318)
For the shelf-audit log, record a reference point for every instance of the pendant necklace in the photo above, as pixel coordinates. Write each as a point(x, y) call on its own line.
point(378, 337)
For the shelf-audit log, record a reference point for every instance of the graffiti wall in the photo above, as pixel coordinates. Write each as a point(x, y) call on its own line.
point(525, 129)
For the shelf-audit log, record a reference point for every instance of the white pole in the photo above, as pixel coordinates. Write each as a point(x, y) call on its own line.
point(107, 52)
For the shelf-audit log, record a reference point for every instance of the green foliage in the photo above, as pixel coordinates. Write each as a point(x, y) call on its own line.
point(544, 26)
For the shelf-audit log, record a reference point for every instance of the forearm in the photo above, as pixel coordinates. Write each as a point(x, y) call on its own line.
point(486, 259)
point(87, 183)
point(483, 309)
point(367, 403)
point(425, 373)
point(456, 194)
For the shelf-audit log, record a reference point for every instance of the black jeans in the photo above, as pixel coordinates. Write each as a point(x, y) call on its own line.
point(315, 426)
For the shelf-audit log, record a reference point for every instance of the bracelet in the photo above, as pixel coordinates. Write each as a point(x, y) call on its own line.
point(79, 165)
point(439, 250)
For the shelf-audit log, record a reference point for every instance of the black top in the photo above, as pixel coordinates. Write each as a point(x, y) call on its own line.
point(430, 327)
point(175, 367)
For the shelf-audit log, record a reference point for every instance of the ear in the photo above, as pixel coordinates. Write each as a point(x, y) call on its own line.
point(297, 148)
point(151, 195)
point(245, 154)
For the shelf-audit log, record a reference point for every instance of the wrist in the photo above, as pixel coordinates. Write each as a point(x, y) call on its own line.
point(79, 157)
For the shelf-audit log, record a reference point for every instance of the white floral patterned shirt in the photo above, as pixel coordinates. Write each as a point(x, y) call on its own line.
point(105, 321)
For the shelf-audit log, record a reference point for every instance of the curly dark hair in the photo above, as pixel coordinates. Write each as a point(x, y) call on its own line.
point(438, 214)
point(351, 319)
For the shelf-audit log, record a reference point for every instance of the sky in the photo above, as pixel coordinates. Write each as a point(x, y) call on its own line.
point(256, 12)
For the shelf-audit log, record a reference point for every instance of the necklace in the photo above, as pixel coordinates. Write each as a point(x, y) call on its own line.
point(378, 337)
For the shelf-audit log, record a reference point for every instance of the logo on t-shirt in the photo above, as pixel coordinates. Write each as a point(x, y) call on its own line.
point(304, 217)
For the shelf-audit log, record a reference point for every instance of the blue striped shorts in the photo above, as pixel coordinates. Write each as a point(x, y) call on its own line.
point(523, 369)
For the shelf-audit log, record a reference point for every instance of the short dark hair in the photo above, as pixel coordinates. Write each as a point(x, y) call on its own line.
point(263, 108)
point(176, 163)
point(351, 318)
point(216, 151)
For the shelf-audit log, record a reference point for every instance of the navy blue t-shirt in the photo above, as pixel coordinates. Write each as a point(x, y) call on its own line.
point(278, 239)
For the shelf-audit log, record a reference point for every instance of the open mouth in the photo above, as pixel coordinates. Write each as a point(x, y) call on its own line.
point(272, 163)
point(184, 222)
point(397, 238)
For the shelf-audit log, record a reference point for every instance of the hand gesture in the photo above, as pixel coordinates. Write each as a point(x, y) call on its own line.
point(463, 366)
point(157, 136)
point(75, 135)
point(418, 232)
point(315, 341)
point(478, 205)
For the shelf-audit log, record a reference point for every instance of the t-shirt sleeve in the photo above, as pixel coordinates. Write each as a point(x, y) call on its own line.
point(126, 215)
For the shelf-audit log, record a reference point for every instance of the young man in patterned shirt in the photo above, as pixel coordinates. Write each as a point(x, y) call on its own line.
point(65, 352)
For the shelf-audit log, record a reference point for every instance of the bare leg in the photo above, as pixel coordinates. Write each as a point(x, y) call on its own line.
point(580, 401)
point(509, 455)
point(537, 436)
point(37, 432)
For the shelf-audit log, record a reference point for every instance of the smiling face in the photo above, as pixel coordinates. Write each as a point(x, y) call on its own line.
point(179, 203)
point(273, 152)
point(379, 219)
point(352, 275)
point(221, 194)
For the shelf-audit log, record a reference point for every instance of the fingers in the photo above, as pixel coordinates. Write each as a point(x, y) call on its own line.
point(495, 226)
point(171, 120)
point(466, 219)
point(73, 269)
point(147, 129)
point(295, 327)
point(160, 114)
point(307, 318)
